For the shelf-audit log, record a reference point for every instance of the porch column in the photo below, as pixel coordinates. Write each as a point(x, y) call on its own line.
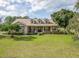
point(32, 29)
point(51, 29)
point(43, 29)
point(46, 28)
point(25, 30)
point(36, 30)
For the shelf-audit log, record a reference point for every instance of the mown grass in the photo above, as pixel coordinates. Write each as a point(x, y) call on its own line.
point(39, 46)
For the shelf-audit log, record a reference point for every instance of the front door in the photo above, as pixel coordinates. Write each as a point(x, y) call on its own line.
point(39, 29)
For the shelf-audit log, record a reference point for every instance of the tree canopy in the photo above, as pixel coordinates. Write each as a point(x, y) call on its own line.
point(77, 5)
point(62, 17)
point(10, 19)
point(73, 24)
point(7, 27)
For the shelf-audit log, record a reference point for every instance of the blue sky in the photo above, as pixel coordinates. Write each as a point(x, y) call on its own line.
point(33, 8)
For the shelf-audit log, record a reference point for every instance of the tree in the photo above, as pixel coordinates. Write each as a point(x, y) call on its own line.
point(10, 28)
point(7, 27)
point(77, 5)
point(22, 17)
point(4, 27)
point(74, 23)
point(10, 19)
point(77, 23)
point(73, 26)
point(62, 17)
point(13, 28)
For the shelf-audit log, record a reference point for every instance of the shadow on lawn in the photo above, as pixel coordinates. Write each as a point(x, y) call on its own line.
point(25, 38)
point(18, 38)
point(2, 37)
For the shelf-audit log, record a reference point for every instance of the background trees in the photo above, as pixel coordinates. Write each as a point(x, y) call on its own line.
point(73, 26)
point(10, 19)
point(77, 5)
point(62, 17)
point(22, 17)
point(74, 22)
point(8, 26)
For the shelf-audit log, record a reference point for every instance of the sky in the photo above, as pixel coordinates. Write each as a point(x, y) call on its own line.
point(34, 8)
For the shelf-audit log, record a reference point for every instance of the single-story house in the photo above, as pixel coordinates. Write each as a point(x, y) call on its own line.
point(36, 25)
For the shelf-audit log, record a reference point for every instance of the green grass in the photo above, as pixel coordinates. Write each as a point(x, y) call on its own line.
point(40, 46)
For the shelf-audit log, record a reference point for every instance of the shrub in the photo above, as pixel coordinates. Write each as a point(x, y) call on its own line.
point(76, 36)
point(62, 31)
point(72, 31)
point(40, 33)
point(2, 36)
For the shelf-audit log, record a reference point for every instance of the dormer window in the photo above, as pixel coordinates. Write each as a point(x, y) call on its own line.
point(46, 21)
point(39, 21)
point(35, 22)
point(31, 21)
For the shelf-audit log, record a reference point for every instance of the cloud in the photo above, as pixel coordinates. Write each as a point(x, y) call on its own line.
point(29, 7)
point(3, 3)
point(11, 8)
point(38, 5)
point(2, 13)
point(14, 13)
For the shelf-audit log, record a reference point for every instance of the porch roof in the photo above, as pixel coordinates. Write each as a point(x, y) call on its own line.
point(41, 25)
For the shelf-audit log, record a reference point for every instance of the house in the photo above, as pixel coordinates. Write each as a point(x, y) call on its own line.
point(36, 25)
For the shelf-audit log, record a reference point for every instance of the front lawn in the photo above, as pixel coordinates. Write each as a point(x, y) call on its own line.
point(40, 46)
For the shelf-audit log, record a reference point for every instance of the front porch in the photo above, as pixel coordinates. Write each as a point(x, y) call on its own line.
point(43, 29)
